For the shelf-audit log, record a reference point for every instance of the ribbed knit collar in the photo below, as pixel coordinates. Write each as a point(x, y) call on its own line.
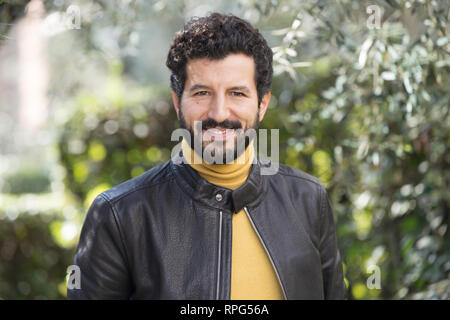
point(229, 175)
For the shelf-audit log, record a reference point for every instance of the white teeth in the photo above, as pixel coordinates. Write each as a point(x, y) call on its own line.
point(217, 131)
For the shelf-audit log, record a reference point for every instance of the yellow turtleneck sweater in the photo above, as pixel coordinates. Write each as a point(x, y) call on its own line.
point(252, 274)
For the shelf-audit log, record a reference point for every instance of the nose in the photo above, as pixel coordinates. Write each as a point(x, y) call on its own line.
point(218, 109)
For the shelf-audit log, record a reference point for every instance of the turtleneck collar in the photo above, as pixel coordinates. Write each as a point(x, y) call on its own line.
point(230, 175)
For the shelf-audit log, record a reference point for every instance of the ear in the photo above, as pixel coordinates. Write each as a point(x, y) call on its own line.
point(176, 104)
point(263, 105)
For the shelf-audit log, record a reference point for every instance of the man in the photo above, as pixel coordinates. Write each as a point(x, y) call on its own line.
point(196, 228)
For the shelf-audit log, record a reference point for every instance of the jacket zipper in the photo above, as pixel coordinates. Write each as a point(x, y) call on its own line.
point(219, 256)
point(267, 251)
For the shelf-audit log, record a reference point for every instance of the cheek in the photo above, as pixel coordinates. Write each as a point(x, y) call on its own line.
point(193, 110)
point(246, 115)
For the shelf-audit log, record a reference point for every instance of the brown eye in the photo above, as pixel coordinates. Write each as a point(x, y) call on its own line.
point(201, 93)
point(238, 94)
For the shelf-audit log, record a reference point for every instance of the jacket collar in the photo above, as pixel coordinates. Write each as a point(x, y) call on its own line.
point(249, 194)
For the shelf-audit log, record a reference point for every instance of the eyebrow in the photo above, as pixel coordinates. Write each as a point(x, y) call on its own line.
point(241, 88)
point(202, 86)
point(198, 86)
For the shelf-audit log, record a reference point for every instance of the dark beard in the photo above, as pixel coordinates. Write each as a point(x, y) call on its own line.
point(211, 123)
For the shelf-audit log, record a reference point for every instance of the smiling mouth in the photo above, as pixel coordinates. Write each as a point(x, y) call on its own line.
point(218, 133)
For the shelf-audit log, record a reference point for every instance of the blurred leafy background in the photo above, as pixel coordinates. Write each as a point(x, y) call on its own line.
point(363, 108)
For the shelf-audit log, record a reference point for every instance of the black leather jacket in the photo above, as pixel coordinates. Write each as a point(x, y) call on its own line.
point(167, 235)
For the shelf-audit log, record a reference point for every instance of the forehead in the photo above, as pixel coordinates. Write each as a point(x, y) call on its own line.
point(234, 69)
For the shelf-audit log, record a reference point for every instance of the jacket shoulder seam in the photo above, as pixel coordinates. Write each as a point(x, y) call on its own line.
point(322, 212)
point(303, 178)
point(119, 228)
point(137, 188)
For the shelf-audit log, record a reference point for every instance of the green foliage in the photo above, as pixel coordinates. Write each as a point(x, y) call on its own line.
point(114, 135)
point(36, 246)
point(10, 11)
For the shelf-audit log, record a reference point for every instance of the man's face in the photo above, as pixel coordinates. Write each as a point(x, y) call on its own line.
point(222, 95)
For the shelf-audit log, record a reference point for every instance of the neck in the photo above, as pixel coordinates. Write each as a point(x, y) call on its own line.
point(230, 175)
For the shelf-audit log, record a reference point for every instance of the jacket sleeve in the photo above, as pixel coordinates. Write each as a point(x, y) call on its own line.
point(101, 256)
point(332, 272)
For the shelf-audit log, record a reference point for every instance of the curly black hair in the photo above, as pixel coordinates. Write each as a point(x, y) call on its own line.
point(214, 37)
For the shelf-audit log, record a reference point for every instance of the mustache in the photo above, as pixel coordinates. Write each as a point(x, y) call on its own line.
point(227, 124)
